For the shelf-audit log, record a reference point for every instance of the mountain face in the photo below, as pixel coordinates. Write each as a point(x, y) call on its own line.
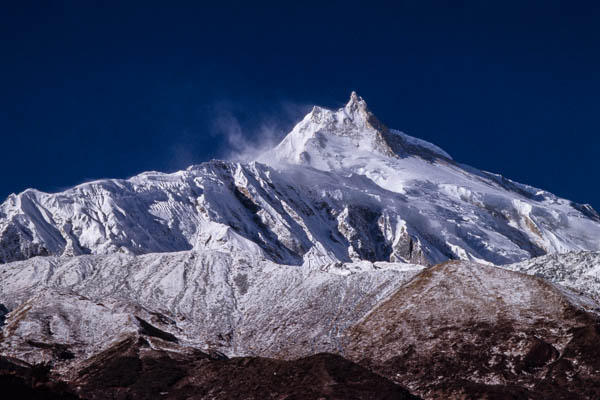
point(340, 187)
point(350, 261)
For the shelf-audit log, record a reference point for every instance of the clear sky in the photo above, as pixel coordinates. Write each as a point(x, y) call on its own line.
point(102, 89)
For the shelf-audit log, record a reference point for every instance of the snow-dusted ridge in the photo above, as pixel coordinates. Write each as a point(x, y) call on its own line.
point(340, 187)
point(239, 304)
point(489, 324)
point(578, 271)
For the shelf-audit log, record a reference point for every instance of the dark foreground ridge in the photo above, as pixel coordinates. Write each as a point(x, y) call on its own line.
point(458, 330)
point(131, 370)
point(19, 380)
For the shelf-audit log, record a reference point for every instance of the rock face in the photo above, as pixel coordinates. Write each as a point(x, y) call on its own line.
point(340, 187)
point(463, 330)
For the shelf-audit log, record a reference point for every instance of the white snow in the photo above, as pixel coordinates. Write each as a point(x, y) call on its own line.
point(578, 271)
point(340, 187)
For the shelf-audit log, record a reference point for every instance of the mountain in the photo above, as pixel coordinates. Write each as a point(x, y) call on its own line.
point(236, 304)
point(198, 376)
point(349, 261)
point(455, 330)
point(131, 369)
point(340, 187)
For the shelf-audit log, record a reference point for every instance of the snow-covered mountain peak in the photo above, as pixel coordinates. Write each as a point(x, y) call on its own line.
point(335, 139)
point(323, 132)
point(340, 187)
point(355, 111)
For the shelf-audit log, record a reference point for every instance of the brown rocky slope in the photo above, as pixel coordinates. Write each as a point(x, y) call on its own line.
point(464, 330)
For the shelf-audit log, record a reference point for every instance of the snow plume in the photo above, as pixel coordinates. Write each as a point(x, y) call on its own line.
point(245, 141)
point(242, 145)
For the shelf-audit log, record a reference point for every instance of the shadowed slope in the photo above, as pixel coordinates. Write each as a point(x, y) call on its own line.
point(132, 370)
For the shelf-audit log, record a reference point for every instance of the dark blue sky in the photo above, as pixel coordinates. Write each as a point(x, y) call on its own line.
point(110, 90)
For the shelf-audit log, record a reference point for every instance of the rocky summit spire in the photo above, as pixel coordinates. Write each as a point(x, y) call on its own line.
point(343, 132)
point(356, 101)
point(324, 137)
point(356, 106)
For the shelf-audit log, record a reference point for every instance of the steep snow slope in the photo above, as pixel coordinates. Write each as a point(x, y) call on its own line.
point(340, 187)
point(579, 271)
point(238, 304)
